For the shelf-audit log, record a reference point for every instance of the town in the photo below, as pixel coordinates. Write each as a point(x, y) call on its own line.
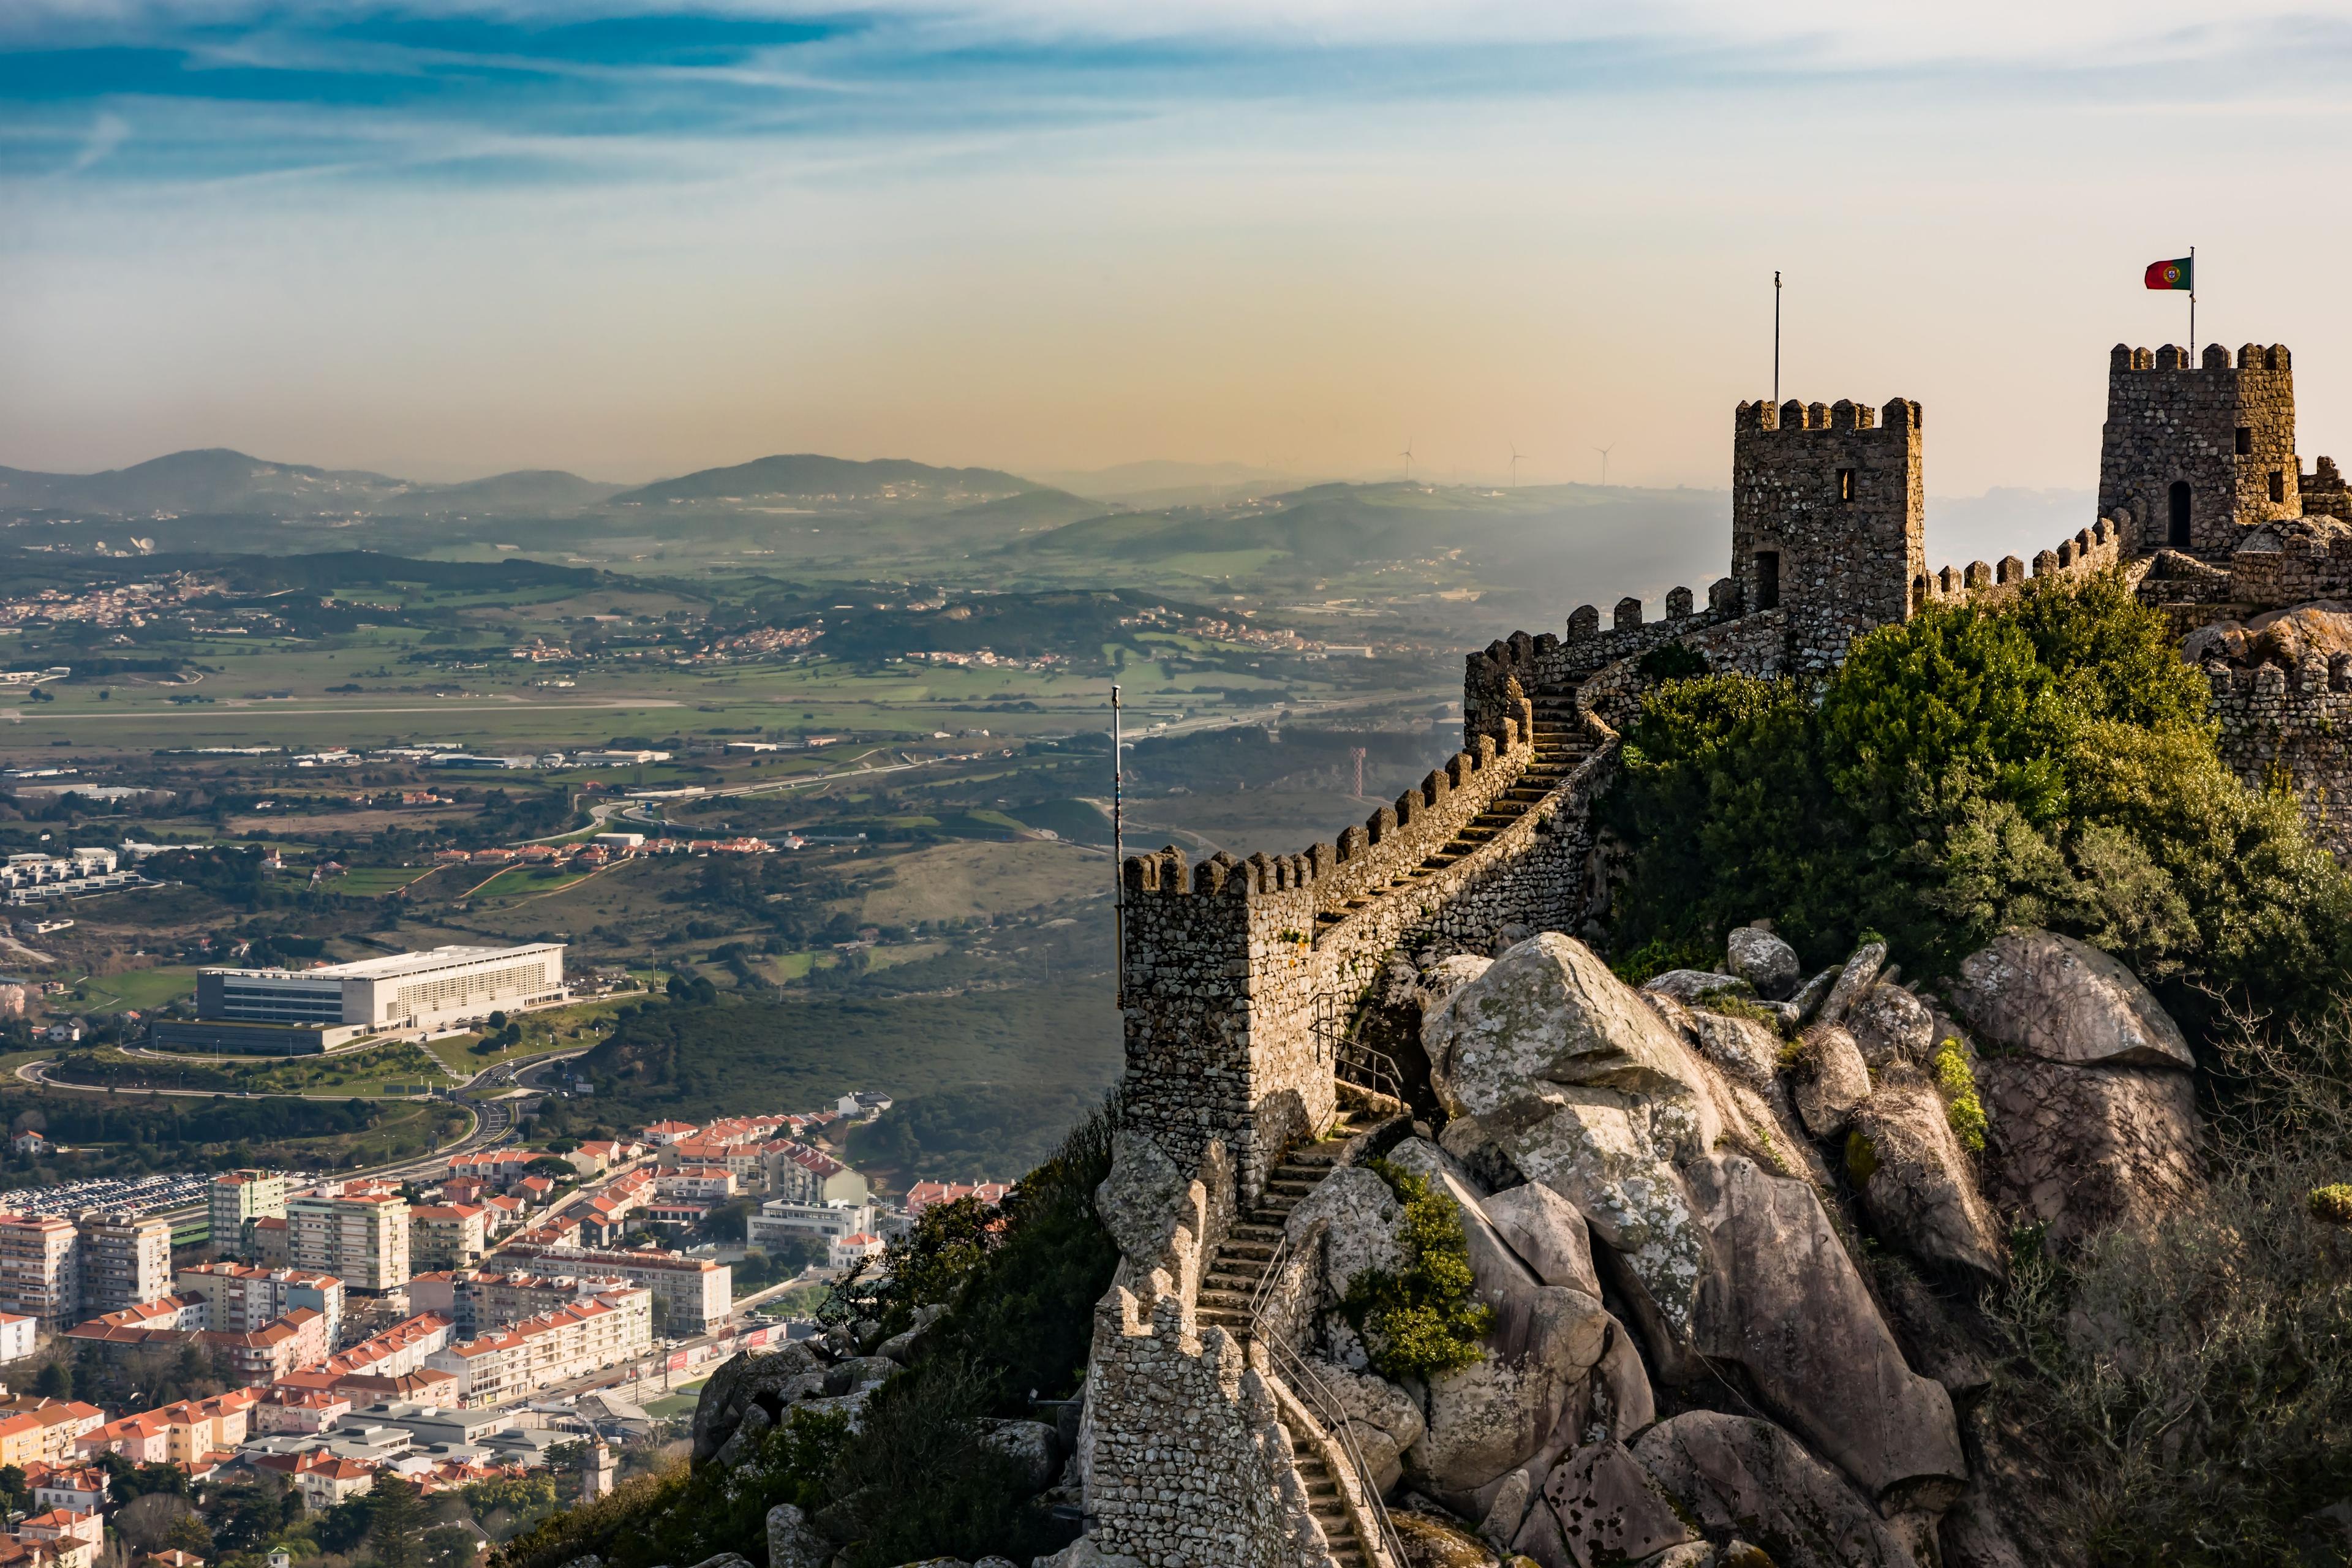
point(505, 1316)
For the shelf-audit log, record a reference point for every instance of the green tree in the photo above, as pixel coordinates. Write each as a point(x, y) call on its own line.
point(396, 1519)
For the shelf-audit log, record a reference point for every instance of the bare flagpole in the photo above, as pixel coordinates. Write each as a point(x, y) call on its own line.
point(1776, 337)
point(1117, 844)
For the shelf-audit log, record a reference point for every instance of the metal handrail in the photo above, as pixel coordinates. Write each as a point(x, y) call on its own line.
point(1337, 1041)
point(1317, 1398)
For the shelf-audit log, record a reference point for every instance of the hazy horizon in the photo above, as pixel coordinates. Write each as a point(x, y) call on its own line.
point(445, 238)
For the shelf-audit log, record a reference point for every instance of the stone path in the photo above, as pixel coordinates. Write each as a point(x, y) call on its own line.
point(1232, 1279)
point(1561, 745)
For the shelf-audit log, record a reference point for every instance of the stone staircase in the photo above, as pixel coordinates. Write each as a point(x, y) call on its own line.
point(1560, 746)
point(1238, 1266)
point(1323, 1498)
point(1230, 1282)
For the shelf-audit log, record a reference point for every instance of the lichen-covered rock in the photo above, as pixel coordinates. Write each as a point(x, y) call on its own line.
point(754, 1375)
point(2062, 1001)
point(1828, 1079)
point(1746, 1048)
point(1448, 976)
point(1031, 1445)
point(1890, 1025)
point(1547, 1233)
point(1737, 1475)
point(1604, 1508)
point(1764, 960)
point(1787, 1304)
point(744, 1441)
point(1615, 1155)
point(1085, 1552)
point(1383, 1418)
point(1143, 1199)
point(1435, 1543)
point(1363, 1226)
point(2083, 1148)
point(1808, 1001)
point(1860, 974)
point(1549, 1012)
point(1623, 1400)
point(793, 1543)
point(1692, 986)
point(1917, 1184)
point(1556, 1072)
point(858, 1371)
point(1529, 1390)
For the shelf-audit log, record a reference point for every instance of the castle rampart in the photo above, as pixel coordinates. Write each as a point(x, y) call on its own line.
point(2289, 728)
point(2199, 454)
point(1828, 510)
point(2093, 549)
point(1225, 959)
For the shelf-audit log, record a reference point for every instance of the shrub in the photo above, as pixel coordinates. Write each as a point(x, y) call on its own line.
point(1962, 1108)
point(2043, 762)
point(1423, 1320)
point(2187, 1392)
point(2331, 1205)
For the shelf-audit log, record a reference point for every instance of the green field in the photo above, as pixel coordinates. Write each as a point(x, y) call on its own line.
point(374, 881)
point(142, 989)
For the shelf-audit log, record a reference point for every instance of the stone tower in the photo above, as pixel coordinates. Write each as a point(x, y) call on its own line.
point(1828, 519)
point(2199, 454)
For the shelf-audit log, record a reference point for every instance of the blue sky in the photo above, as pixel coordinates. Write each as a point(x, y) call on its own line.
point(446, 237)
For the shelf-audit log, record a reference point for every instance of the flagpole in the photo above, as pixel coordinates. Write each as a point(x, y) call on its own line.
point(2195, 358)
point(1776, 337)
point(1118, 848)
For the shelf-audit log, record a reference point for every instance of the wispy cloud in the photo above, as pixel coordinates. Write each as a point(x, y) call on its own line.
point(597, 73)
point(106, 133)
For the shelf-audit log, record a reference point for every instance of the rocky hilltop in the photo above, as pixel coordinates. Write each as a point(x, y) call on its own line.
point(1721, 1232)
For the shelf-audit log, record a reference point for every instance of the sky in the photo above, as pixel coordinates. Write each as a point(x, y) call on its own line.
point(446, 237)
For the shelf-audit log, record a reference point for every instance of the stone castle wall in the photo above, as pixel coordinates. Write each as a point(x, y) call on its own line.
point(1225, 959)
point(2290, 727)
point(1828, 519)
point(1189, 1467)
point(2292, 561)
point(2093, 549)
point(2169, 421)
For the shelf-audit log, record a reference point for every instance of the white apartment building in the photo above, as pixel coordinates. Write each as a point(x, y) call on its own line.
point(40, 1267)
point(821, 1225)
point(517, 1361)
point(124, 1260)
point(240, 1197)
point(359, 1234)
point(245, 1299)
point(16, 1336)
point(694, 1292)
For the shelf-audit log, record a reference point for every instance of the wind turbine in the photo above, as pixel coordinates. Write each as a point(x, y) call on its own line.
point(1516, 456)
point(1407, 455)
point(1604, 452)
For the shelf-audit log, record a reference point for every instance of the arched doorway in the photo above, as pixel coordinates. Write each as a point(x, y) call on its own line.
point(2177, 533)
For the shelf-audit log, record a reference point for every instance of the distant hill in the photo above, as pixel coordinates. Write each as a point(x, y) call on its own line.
point(213, 480)
point(216, 480)
point(807, 476)
point(526, 492)
point(1157, 483)
point(1029, 511)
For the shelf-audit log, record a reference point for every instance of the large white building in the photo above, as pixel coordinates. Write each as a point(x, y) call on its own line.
point(337, 1003)
point(571, 1341)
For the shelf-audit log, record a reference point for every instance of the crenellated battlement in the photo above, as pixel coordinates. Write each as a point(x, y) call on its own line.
point(2096, 549)
point(2123, 358)
point(1792, 417)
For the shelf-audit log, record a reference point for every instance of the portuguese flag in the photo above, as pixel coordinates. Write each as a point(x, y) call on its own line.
point(2177, 274)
